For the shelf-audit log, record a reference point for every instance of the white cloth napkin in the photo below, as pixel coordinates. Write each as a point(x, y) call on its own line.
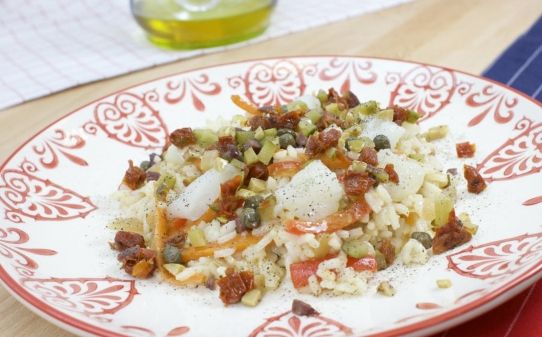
point(50, 45)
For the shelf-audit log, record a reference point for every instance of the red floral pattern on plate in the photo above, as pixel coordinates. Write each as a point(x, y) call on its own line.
point(59, 143)
point(193, 87)
point(533, 201)
point(518, 156)
point(12, 247)
point(345, 69)
point(130, 119)
point(273, 83)
point(289, 325)
point(427, 306)
point(138, 331)
point(424, 89)
point(26, 196)
point(87, 296)
point(499, 258)
point(492, 100)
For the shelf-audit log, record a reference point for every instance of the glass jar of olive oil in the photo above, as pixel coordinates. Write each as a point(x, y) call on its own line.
point(190, 24)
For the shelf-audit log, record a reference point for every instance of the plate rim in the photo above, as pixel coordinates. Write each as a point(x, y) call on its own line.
point(434, 324)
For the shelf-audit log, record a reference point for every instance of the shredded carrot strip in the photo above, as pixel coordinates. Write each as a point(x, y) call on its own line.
point(285, 168)
point(239, 243)
point(251, 109)
point(341, 161)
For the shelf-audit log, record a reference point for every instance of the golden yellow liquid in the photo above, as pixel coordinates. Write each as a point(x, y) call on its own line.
point(171, 26)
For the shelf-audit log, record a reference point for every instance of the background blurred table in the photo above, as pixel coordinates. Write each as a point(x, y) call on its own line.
point(463, 34)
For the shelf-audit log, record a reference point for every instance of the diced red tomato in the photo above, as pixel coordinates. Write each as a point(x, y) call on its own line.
point(331, 223)
point(285, 168)
point(301, 271)
point(364, 264)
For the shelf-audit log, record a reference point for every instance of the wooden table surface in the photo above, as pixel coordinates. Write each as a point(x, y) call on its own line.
point(461, 34)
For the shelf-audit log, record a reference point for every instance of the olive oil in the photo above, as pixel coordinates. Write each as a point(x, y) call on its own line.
point(170, 25)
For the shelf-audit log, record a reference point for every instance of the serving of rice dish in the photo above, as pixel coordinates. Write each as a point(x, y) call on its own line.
point(322, 192)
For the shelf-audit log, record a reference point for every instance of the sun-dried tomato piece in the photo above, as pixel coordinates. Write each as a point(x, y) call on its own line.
point(369, 155)
point(257, 170)
point(134, 176)
point(229, 202)
point(357, 183)
point(317, 144)
point(328, 119)
point(388, 250)
point(347, 100)
point(288, 120)
point(450, 235)
point(351, 99)
point(124, 239)
point(475, 182)
point(465, 150)
point(399, 114)
point(390, 170)
point(301, 308)
point(259, 122)
point(182, 137)
point(234, 285)
point(133, 256)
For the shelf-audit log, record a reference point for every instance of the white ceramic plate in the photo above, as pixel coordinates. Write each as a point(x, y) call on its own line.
point(53, 241)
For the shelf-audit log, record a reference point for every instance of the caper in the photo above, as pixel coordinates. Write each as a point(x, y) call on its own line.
point(145, 165)
point(253, 202)
point(285, 140)
point(424, 238)
point(250, 218)
point(380, 260)
point(171, 254)
point(281, 132)
point(381, 142)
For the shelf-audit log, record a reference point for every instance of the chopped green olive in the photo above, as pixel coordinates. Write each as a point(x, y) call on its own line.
point(249, 218)
point(243, 136)
point(314, 116)
point(267, 152)
point(424, 238)
point(285, 140)
point(165, 183)
point(354, 144)
point(252, 298)
point(436, 132)
point(381, 142)
point(358, 166)
point(412, 116)
point(379, 173)
point(306, 127)
point(356, 248)
point(443, 206)
point(368, 108)
point(322, 96)
point(171, 254)
point(270, 132)
point(196, 237)
point(386, 114)
point(250, 156)
point(205, 137)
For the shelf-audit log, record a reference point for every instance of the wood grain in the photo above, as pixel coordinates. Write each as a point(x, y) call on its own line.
point(461, 34)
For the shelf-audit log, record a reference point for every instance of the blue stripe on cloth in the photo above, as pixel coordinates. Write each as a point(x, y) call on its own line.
point(520, 66)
